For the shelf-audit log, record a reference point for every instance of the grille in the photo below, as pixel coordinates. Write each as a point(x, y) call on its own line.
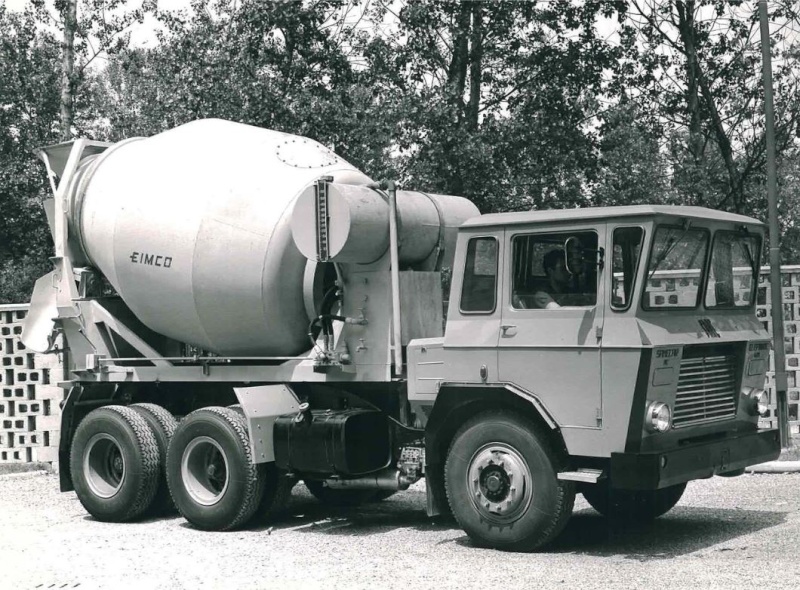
point(706, 390)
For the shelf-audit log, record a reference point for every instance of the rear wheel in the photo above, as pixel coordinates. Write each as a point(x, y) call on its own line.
point(502, 485)
point(237, 407)
point(632, 505)
point(277, 491)
point(210, 471)
point(163, 425)
point(114, 464)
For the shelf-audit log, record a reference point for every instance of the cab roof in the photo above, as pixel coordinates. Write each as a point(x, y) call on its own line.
point(589, 213)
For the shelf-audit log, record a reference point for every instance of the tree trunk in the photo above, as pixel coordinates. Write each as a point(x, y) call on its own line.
point(475, 66)
point(457, 72)
point(698, 85)
point(70, 14)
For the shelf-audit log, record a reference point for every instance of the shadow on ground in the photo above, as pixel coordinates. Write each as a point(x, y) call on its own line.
point(684, 530)
point(681, 531)
point(305, 514)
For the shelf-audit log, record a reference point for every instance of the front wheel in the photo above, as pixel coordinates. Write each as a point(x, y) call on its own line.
point(502, 485)
point(630, 505)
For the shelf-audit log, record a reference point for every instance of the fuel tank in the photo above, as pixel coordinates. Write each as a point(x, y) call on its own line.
point(191, 227)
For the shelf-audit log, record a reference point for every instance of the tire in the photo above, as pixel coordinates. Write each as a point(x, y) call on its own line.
point(277, 491)
point(237, 407)
point(339, 498)
point(632, 506)
point(114, 464)
point(277, 487)
point(163, 425)
point(501, 459)
point(210, 471)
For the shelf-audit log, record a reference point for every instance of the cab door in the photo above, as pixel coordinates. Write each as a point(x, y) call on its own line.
point(473, 317)
point(554, 353)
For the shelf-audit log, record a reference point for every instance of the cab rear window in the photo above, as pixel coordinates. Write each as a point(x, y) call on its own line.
point(479, 290)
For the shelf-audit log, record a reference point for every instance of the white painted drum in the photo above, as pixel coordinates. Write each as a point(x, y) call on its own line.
point(191, 227)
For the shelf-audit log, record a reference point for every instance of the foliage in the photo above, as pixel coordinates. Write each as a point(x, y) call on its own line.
point(695, 65)
point(17, 276)
point(495, 98)
point(88, 29)
point(28, 119)
point(632, 167)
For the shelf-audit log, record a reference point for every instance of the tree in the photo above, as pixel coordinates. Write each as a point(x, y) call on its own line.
point(632, 170)
point(696, 64)
point(90, 29)
point(29, 111)
point(496, 97)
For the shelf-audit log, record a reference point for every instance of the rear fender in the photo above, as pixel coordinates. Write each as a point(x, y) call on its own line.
point(262, 404)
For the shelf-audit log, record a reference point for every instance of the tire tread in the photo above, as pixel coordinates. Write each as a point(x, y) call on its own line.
point(168, 424)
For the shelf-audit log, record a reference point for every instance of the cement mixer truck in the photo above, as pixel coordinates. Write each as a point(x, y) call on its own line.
point(244, 310)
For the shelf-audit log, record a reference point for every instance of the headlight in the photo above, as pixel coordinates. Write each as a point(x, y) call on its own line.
point(658, 417)
point(758, 401)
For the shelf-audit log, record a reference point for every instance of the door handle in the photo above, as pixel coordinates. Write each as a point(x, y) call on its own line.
point(508, 330)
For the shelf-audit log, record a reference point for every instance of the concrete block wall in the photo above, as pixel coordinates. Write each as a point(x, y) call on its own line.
point(30, 414)
point(790, 296)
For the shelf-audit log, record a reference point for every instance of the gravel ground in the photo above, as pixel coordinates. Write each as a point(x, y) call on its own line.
point(725, 533)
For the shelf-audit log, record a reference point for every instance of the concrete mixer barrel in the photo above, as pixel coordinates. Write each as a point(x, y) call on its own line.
point(191, 227)
point(355, 222)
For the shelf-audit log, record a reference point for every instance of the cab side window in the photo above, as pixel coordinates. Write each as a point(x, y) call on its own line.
point(479, 290)
point(554, 270)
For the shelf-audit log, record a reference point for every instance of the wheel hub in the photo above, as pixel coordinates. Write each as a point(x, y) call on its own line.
point(204, 470)
point(496, 483)
point(103, 465)
point(500, 482)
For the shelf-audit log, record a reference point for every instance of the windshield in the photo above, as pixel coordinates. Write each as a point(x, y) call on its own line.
point(732, 275)
point(675, 268)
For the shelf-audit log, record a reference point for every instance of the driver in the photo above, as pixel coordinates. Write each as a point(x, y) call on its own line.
point(555, 268)
point(563, 287)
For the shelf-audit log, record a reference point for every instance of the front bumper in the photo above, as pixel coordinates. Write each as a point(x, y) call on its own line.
point(660, 469)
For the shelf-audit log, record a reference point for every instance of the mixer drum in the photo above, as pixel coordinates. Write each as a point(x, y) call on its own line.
point(192, 228)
